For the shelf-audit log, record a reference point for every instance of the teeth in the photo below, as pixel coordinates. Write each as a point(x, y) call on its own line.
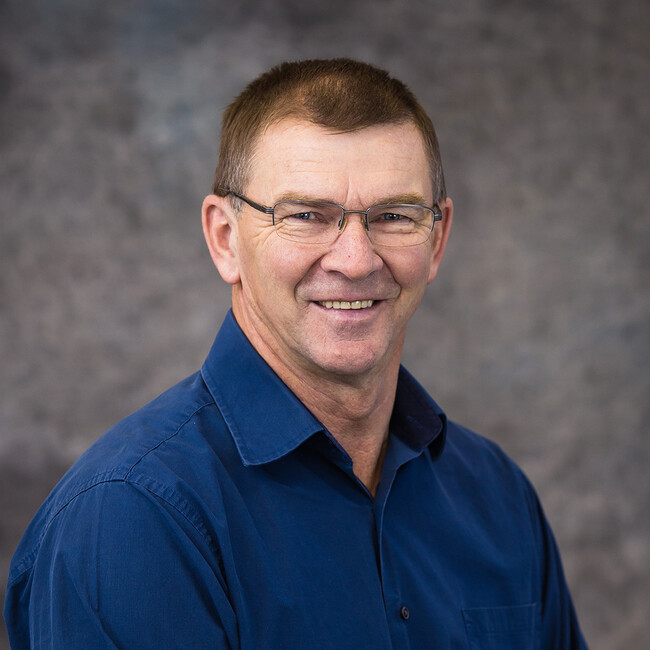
point(344, 304)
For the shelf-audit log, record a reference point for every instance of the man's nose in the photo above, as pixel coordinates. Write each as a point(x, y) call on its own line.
point(352, 253)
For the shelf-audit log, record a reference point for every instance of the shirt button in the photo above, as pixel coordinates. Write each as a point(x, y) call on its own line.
point(404, 612)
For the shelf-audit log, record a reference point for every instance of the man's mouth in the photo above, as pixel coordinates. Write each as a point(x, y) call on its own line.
point(346, 304)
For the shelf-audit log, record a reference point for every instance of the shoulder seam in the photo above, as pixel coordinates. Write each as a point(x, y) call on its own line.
point(187, 512)
point(28, 560)
point(113, 476)
point(167, 439)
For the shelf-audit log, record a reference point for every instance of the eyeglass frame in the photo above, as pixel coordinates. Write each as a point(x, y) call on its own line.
point(437, 214)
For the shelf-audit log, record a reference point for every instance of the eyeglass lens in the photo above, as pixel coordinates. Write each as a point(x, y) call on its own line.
point(390, 225)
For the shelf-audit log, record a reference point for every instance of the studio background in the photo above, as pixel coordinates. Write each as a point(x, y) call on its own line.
point(535, 332)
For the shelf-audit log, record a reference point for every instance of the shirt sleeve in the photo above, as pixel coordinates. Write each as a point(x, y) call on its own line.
point(122, 566)
point(560, 628)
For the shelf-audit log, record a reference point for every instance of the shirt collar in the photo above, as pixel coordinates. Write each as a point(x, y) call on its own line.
point(267, 420)
point(417, 420)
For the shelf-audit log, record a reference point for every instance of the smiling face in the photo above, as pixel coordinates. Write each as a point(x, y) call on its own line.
point(327, 310)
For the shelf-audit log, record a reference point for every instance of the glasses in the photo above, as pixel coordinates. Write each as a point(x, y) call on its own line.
point(320, 222)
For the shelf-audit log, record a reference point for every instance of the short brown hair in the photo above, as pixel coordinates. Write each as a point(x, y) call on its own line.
point(339, 94)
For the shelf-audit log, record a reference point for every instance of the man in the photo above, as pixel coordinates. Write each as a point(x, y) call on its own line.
point(302, 490)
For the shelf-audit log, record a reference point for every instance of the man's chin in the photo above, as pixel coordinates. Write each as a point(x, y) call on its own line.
point(349, 361)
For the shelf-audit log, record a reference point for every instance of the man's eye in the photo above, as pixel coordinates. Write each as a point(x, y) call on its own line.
point(303, 216)
point(312, 216)
point(393, 216)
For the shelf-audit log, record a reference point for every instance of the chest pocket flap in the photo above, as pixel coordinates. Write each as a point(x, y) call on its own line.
point(503, 628)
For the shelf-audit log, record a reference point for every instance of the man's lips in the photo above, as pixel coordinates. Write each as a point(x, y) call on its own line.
point(345, 304)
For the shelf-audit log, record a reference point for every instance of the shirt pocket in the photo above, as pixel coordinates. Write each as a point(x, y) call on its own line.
point(503, 628)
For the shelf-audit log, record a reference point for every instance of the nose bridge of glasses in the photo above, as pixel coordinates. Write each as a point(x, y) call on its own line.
point(344, 219)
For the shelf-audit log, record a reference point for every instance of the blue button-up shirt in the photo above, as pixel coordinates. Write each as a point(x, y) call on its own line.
point(224, 515)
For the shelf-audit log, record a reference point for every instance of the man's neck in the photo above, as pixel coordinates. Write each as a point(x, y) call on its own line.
point(357, 416)
point(356, 410)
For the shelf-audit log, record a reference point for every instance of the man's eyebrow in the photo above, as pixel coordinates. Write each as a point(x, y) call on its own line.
point(408, 197)
point(297, 196)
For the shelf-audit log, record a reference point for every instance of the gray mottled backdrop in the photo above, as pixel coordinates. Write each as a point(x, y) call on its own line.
point(535, 333)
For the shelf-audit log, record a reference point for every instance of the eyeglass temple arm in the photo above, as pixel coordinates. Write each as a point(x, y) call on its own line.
point(257, 206)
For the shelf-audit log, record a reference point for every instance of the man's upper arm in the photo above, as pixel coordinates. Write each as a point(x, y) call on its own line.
point(122, 566)
point(560, 626)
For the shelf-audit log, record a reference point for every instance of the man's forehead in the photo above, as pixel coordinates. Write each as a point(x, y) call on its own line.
point(298, 128)
point(293, 155)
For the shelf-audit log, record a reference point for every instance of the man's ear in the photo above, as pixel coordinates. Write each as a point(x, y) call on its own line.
point(440, 236)
point(220, 231)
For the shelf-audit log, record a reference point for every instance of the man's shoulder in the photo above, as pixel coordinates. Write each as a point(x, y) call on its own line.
point(466, 440)
point(151, 449)
point(138, 437)
point(468, 456)
point(474, 458)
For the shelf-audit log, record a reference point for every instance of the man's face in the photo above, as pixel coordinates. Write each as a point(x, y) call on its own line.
point(281, 287)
